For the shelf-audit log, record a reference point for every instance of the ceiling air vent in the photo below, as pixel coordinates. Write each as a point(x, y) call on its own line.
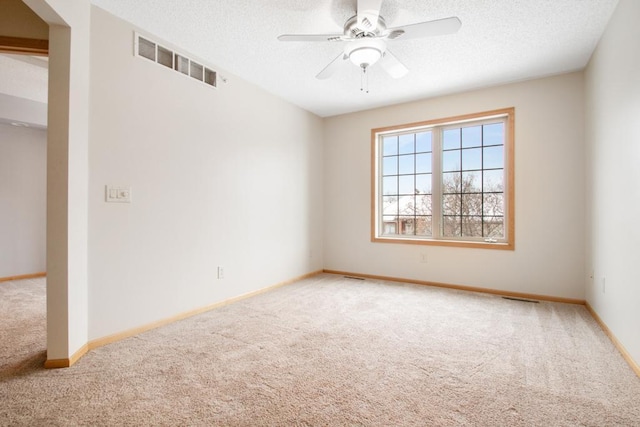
point(146, 48)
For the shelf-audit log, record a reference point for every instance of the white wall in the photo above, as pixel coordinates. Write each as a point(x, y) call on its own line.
point(17, 109)
point(67, 175)
point(23, 200)
point(612, 82)
point(226, 177)
point(549, 172)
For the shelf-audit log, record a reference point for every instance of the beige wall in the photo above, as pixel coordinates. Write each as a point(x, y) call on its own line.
point(613, 175)
point(227, 177)
point(23, 183)
point(549, 174)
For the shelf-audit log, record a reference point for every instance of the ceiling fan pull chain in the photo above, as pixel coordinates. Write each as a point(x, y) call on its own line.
point(364, 80)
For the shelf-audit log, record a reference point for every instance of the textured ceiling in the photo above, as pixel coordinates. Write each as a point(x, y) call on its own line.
point(500, 41)
point(24, 76)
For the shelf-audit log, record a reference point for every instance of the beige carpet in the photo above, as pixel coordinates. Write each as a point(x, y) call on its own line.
point(328, 351)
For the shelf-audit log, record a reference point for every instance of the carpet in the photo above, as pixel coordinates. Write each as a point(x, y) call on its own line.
point(328, 350)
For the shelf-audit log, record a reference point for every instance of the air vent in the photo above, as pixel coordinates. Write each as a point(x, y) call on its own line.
point(149, 49)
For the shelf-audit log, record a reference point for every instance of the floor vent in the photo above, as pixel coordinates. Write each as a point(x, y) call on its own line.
point(353, 278)
point(146, 48)
point(521, 300)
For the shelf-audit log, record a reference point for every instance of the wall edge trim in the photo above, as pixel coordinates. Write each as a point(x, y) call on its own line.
point(109, 339)
point(463, 288)
point(65, 363)
point(616, 342)
point(23, 276)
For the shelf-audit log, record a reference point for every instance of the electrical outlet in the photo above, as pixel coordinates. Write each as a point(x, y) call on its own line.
point(220, 272)
point(423, 258)
point(604, 285)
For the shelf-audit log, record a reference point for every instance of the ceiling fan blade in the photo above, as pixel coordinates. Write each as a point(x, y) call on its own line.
point(368, 12)
point(439, 27)
point(393, 66)
point(333, 66)
point(310, 37)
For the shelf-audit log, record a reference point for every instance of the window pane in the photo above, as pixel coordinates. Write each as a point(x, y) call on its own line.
point(407, 226)
point(423, 226)
point(423, 184)
point(472, 204)
point(493, 204)
point(423, 205)
point(451, 160)
point(472, 226)
point(451, 226)
point(493, 180)
point(472, 159)
point(493, 134)
point(389, 225)
point(390, 185)
point(390, 165)
point(406, 205)
point(406, 144)
point(493, 157)
point(451, 204)
point(390, 205)
point(423, 163)
point(471, 182)
point(406, 184)
point(423, 142)
point(389, 145)
point(493, 227)
point(451, 182)
point(451, 139)
point(406, 164)
point(472, 136)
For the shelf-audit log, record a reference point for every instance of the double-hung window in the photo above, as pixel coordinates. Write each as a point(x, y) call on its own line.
point(445, 182)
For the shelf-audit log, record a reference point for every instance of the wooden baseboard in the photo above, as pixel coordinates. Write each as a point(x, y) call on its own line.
point(65, 363)
point(23, 276)
point(623, 351)
point(144, 328)
point(464, 288)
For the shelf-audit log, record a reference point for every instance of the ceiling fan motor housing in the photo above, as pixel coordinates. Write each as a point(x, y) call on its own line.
point(365, 29)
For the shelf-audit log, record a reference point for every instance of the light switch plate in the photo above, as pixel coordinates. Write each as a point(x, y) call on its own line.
point(117, 194)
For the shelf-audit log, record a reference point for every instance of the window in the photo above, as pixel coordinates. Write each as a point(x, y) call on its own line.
point(445, 182)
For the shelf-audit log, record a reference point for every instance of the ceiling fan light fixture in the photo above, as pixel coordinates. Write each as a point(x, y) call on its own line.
point(365, 53)
point(365, 56)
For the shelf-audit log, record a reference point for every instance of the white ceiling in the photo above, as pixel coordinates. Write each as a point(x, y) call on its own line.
point(500, 41)
point(24, 76)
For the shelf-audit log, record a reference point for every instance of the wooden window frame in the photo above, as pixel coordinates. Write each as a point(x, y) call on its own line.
point(509, 181)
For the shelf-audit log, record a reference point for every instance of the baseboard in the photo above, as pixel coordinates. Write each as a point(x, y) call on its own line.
point(99, 342)
point(65, 363)
point(623, 351)
point(23, 276)
point(463, 288)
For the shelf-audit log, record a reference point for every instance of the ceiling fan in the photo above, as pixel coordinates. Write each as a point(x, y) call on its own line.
point(366, 36)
